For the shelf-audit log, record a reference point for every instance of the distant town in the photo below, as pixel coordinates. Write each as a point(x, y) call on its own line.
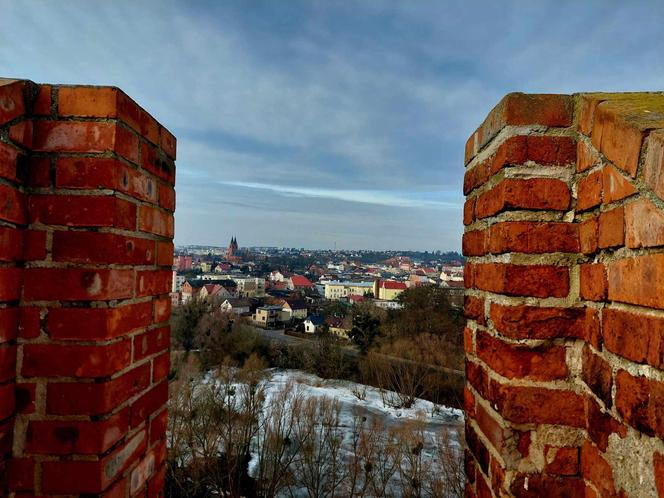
point(278, 287)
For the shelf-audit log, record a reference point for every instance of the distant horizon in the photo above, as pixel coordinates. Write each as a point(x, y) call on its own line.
point(242, 246)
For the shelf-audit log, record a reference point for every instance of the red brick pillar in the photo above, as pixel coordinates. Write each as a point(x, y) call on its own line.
point(565, 277)
point(92, 347)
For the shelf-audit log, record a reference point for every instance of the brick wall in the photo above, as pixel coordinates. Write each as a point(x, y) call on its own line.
point(565, 297)
point(86, 227)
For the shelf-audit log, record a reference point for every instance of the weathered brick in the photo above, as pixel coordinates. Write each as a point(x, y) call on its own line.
point(644, 224)
point(534, 322)
point(165, 253)
point(150, 402)
point(658, 467)
point(593, 282)
point(11, 244)
point(87, 101)
point(161, 367)
point(97, 323)
point(654, 163)
point(10, 283)
point(12, 101)
point(64, 437)
point(638, 280)
point(596, 373)
point(153, 282)
point(82, 211)
point(94, 247)
point(612, 228)
point(491, 428)
point(522, 280)
point(529, 194)
point(76, 398)
point(8, 324)
point(473, 308)
point(586, 157)
point(74, 136)
point(597, 470)
point(589, 235)
point(600, 425)
point(12, 205)
point(151, 342)
point(473, 243)
point(633, 401)
point(43, 101)
point(516, 361)
point(614, 186)
point(533, 237)
point(155, 221)
point(589, 191)
point(634, 336)
point(520, 404)
point(77, 284)
point(469, 211)
point(73, 360)
point(561, 461)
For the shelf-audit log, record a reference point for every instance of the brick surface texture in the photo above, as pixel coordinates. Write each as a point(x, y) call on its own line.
point(564, 234)
point(86, 225)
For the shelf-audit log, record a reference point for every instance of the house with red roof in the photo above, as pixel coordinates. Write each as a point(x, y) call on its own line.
point(390, 289)
point(297, 282)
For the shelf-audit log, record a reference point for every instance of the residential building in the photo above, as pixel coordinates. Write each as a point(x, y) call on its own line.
point(178, 280)
point(236, 306)
point(299, 282)
point(338, 290)
point(267, 316)
point(294, 308)
point(388, 290)
point(313, 323)
point(183, 263)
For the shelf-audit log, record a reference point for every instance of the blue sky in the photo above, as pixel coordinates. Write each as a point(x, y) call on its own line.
point(305, 123)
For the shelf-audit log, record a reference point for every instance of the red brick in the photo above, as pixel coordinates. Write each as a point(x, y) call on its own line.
point(21, 474)
point(473, 308)
point(477, 377)
point(468, 340)
point(589, 235)
point(589, 191)
point(82, 211)
point(34, 245)
point(153, 282)
point(97, 323)
point(11, 244)
point(10, 283)
point(597, 470)
point(522, 280)
point(533, 237)
point(12, 205)
point(39, 174)
point(76, 398)
point(543, 485)
point(586, 157)
point(26, 397)
point(76, 284)
point(534, 322)
point(477, 448)
point(162, 309)
point(644, 224)
point(12, 101)
point(474, 242)
point(72, 360)
point(638, 280)
point(538, 405)
point(94, 247)
point(85, 476)
point(596, 373)
point(531, 194)
point(612, 228)
point(469, 211)
point(155, 399)
point(21, 134)
point(156, 483)
point(141, 473)
point(42, 104)
point(523, 443)
point(600, 425)
point(127, 144)
point(167, 142)
point(7, 362)
point(155, 221)
point(476, 176)
point(161, 366)
point(87, 172)
point(516, 361)
point(8, 324)
point(658, 467)
point(633, 400)
point(65, 437)
point(617, 139)
point(634, 336)
point(158, 427)
point(7, 400)
point(615, 187)
point(561, 461)
point(165, 253)
point(74, 136)
point(151, 342)
point(492, 429)
point(654, 163)
point(9, 162)
point(87, 101)
point(29, 322)
point(137, 118)
point(167, 197)
point(593, 282)
point(468, 403)
point(156, 163)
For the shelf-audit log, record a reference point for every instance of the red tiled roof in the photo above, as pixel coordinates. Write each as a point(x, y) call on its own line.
point(391, 284)
point(300, 281)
